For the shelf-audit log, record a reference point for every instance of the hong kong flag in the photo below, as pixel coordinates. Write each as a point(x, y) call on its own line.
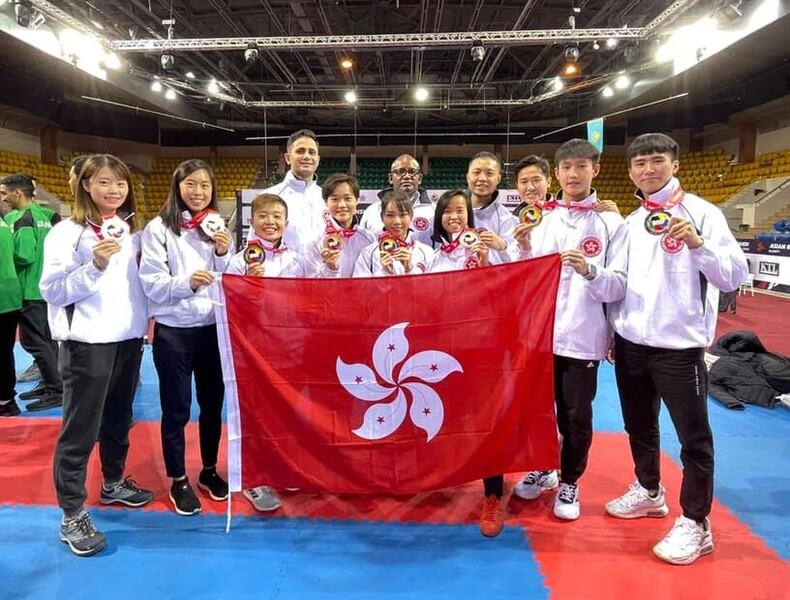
point(389, 385)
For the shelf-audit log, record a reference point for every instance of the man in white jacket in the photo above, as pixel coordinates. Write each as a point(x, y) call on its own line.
point(681, 253)
point(301, 191)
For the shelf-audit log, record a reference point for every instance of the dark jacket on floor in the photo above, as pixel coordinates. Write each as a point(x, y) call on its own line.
point(747, 372)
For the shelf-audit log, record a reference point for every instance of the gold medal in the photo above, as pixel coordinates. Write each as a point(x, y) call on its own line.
point(333, 241)
point(532, 214)
point(388, 245)
point(254, 254)
point(657, 222)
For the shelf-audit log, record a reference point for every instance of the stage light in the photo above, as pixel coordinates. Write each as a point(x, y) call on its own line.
point(421, 94)
point(622, 82)
point(167, 61)
point(111, 61)
point(170, 95)
point(478, 52)
point(570, 69)
point(607, 92)
point(251, 53)
point(557, 84)
point(189, 75)
point(156, 86)
point(611, 43)
point(346, 63)
point(350, 96)
point(213, 86)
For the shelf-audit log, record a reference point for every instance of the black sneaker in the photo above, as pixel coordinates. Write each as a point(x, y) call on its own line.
point(184, 499)
point(11, 409)
point(81, 536)
point(51, 401)
point(126, 492)
point(210, 481)
point(37, 392)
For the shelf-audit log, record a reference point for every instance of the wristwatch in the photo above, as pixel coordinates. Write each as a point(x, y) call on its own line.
point(592, 272)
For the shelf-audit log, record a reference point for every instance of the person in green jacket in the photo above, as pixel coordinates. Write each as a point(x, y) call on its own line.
point(10, 303)
point(30, 224)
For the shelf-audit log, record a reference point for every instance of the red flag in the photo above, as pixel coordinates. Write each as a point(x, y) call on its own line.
point(391, 384)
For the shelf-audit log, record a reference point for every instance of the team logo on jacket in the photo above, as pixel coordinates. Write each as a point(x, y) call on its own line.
point(591, 246)
point(420, 223)
point(671, 245)
point(390, 400)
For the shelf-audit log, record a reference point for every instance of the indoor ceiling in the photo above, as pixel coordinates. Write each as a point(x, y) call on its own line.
point(296, 78)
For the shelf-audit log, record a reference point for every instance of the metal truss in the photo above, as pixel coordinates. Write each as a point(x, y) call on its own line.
point(405, 41)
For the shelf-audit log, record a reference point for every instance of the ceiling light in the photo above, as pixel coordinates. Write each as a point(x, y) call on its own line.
point(557, 83)
point(167, 61)
point(251, 53)
point(346, 63)
point(596, 45)
point(622, 82)
point(213, 87)
point(111, 61)
point(170, 95)
point(572, 53)
point(611, 43)
point(156, 86)
point(189, 75)
point(478, 52)
point(607, 92)
point(421, 94)
point(350, 96)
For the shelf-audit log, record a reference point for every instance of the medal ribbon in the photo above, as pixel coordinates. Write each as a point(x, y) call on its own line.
point(197, 219)
point(97, 228)
point(330, 227)
point(674, 199)
point(267, 246)
point(401, 243)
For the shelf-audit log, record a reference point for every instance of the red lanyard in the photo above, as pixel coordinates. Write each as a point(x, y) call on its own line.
point(267, 246)
point(330, 227)
point(197, 219)
point(674, 199)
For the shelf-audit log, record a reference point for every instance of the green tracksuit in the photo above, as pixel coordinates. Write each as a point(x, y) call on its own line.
point(10, 292)
point(30, 225)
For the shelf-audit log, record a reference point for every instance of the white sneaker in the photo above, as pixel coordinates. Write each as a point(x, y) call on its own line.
point(686, 542)
point(534, 483)
point(566, 504)
point(636, 503)
point(263, 499)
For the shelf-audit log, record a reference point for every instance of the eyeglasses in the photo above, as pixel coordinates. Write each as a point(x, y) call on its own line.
point(403, 172)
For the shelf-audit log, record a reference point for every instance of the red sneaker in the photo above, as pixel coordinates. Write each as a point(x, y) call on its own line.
point(491, 518)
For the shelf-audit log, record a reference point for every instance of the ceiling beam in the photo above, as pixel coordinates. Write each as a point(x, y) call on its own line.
point(403, 41)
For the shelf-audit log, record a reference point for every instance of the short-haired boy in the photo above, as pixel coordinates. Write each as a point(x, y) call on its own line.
point(266, 253)
point(593, 249)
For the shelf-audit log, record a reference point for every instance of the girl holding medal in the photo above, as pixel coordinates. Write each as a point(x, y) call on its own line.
point(460, 244)
point(182, 249)
point(396, 252)
point(462, 248)
point(335, 253)
point(86, 272)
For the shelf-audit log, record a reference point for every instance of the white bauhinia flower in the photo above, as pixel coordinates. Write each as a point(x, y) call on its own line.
point(390, 350)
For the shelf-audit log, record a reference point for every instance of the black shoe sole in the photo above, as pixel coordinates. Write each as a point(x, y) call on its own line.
point(41, 405)
point(183, 513)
